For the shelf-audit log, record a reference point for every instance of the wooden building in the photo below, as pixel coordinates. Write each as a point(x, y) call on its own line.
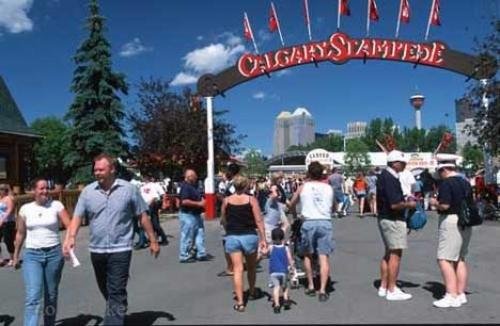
point(16, 142)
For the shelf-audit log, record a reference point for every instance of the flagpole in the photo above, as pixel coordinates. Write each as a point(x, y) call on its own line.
point(251, 33)
point(399, 17)
point(277, 23)
point(368, 19)
point(429, 21)
point(308, 19)
point(338, 15)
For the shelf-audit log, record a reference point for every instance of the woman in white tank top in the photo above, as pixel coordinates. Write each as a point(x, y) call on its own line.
point(316, 198)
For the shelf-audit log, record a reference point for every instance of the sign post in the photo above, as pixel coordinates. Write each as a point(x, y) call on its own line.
point(210, 198)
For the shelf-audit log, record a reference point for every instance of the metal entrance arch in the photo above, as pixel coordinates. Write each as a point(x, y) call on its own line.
point(339, 48)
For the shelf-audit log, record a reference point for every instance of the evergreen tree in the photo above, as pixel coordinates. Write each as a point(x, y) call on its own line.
point(96, 112)
point(48, 150)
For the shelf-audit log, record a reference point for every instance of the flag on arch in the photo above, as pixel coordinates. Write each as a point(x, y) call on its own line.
point(373, 11)
point(435, 20)
point(344, 8)
point(273, 20)
point(247, 31)
point(405, 12)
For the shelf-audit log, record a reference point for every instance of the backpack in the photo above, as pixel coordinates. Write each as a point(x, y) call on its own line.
point(468, 215)
point(418, 219)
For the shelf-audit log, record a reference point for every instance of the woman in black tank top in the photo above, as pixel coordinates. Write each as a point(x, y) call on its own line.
point(241, 217)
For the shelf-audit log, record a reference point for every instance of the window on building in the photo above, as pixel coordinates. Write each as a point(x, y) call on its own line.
point(3, 167)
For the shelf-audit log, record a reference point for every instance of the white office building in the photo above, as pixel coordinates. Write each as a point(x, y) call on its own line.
point(295, 128)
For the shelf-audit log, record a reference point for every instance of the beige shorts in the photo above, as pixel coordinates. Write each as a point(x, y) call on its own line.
point(393, 233)
point(453, 241)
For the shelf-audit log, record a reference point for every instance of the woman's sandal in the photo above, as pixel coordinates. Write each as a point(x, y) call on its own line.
point(310, 292)
point(239, 307)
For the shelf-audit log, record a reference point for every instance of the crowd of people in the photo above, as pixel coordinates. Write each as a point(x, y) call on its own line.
point(285, 220)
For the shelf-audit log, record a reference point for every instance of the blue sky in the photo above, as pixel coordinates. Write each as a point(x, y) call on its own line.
point(179, 40)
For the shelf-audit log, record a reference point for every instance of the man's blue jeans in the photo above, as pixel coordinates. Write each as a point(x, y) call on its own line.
point(42, 269)
point(192, 235)
point(112, 272)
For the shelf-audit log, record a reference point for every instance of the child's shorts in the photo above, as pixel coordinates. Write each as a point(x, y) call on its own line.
point(278, 279)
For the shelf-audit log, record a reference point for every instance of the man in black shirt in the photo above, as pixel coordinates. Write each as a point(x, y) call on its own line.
point(392, 225)
point(453, 240)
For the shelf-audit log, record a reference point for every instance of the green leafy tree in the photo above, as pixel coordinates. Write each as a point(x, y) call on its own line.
point(256, 165)
point(377, 129)
point(473, 157)
point(169, 131)
point(96, 113)
point(331, 143)
point(356, 156)
point(412, 140)
point(487, 121)
point(49, 151)
point(433, 137)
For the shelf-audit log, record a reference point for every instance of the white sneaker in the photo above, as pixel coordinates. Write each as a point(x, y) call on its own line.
point(397, 295)
point(462, 298)
point(382, 292)
point(447, 301)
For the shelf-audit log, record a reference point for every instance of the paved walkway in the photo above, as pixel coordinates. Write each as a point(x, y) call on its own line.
point(163, 291)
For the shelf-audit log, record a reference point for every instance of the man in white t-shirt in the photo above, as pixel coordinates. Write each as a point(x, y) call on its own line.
point(407, 181)
point(152, 192)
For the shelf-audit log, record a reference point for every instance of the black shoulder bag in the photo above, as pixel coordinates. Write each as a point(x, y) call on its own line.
point(469, 214)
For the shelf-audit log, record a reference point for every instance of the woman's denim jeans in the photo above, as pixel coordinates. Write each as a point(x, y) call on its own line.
point(42, 269)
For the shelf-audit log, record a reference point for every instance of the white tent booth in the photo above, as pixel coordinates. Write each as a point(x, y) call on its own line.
point(417, 161)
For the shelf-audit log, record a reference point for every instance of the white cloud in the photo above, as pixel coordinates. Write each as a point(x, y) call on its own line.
point(264, 35)
point(210, 59)
point(133, 48)
point(284, 72)
point(213, 57)
point(199, 38)
point(14, 15)
point(183, 78)
point(259, 95)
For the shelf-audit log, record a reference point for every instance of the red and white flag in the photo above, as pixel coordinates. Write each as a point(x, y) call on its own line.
point(373, 10)
point(247, 31)
point(307, 18)
point(372, 14)
point(274, 23)
point(433, 17)
point(435, 14)
point(404, 14)
point(343, 10)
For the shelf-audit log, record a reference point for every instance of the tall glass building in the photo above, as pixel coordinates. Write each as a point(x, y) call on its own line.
point(295, 128)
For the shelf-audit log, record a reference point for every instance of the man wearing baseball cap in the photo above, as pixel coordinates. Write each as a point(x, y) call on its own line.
point(392, 225)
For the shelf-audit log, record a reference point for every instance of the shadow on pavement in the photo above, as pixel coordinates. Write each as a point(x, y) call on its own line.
point(6, 320)
point(436, 288)
point(316, 280)
point(80, 320)
point(399, 283)
point(147, 318)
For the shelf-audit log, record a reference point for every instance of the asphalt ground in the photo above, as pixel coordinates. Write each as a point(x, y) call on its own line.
point(162, 291)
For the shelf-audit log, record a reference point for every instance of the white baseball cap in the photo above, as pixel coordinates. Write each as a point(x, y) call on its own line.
point(446, 165)
point(396, 156)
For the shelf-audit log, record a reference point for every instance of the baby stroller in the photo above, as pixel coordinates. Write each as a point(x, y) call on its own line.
point(296, 274)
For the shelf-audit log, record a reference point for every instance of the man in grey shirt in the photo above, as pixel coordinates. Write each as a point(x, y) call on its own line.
point(111, 204)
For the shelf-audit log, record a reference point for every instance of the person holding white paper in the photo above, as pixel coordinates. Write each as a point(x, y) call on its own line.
point(38, 224)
